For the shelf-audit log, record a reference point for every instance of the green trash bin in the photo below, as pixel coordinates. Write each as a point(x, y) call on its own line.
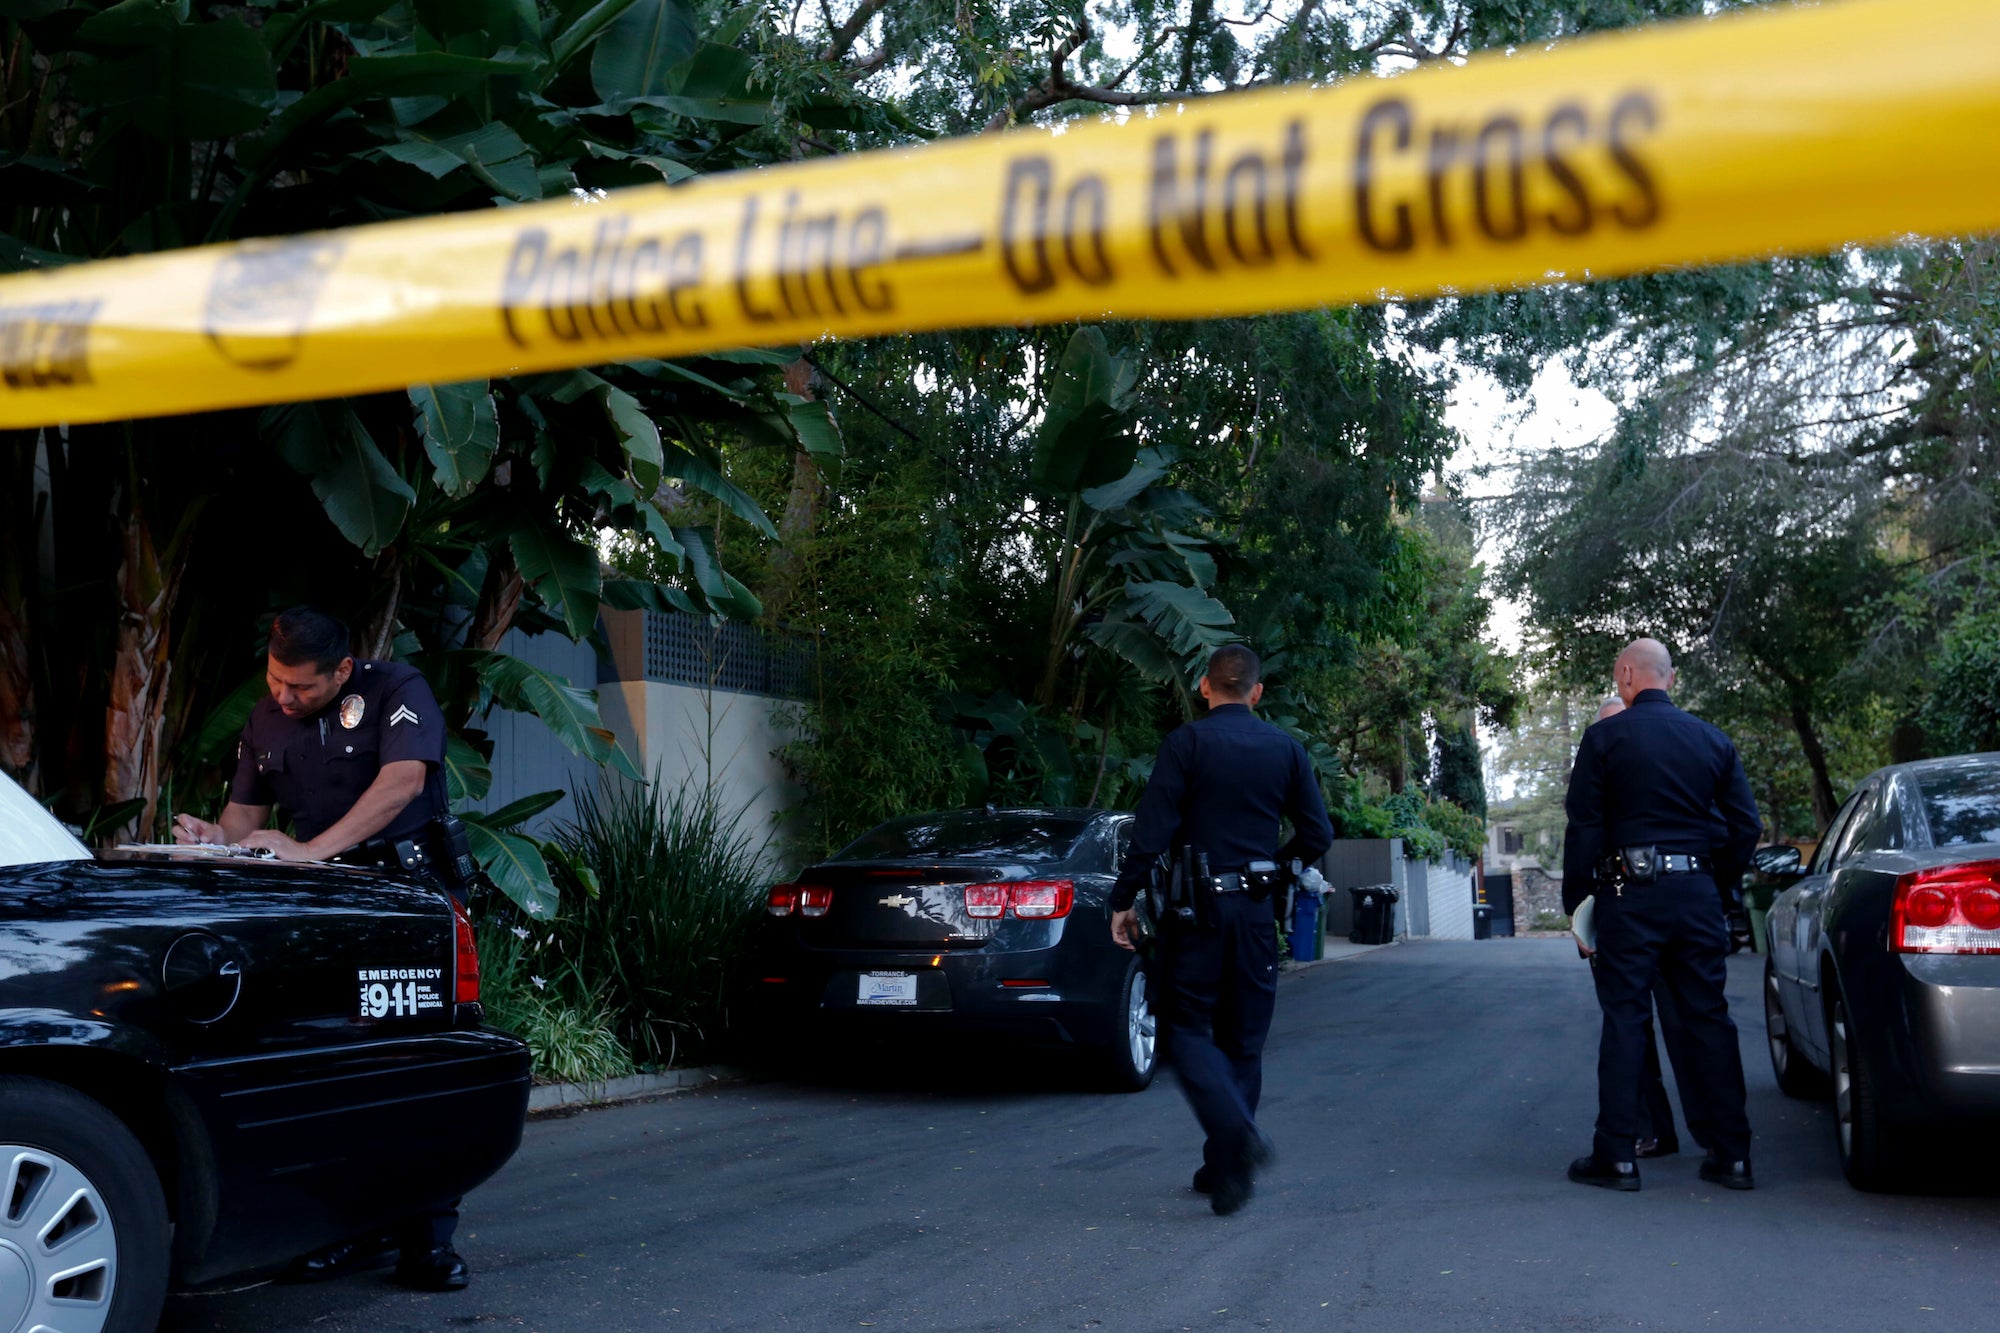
point(1757, 900)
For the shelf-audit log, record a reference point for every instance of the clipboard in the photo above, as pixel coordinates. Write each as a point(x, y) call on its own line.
point(1583, 923)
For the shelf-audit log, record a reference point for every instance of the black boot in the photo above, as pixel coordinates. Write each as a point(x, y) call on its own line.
point(1730, 1175)
point(1235, 1183)
point(435, 1269)
point(352, 1256)
point(1595, 1170)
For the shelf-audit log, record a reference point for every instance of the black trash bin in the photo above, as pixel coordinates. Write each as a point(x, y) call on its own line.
point(1482, 921)
point(1374, 915)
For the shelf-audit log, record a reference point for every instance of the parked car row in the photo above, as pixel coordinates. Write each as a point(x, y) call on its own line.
point(1883, 982)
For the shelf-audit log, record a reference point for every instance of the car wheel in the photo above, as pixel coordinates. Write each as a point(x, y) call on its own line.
point(83, 1220)
point(1135, 1055)
point(1796, 1076)
point(1866, 1138)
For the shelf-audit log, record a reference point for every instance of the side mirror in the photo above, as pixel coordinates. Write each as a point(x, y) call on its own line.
point(1778, 862)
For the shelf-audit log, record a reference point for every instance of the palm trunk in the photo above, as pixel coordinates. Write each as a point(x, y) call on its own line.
point(17, 566)
point(499, 599)
point(1068, 609)
point(17, 701)
point(141, 670)
point(379, 635)
point(804, 502)
point(1823, 801)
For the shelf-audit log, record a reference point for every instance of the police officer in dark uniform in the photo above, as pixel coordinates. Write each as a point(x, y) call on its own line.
point(353, 754)
point(1659, 1139)
point(1220, 786)
point(1659, 812)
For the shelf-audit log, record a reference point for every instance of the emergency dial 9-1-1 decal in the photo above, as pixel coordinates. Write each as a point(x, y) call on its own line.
point(400, 992)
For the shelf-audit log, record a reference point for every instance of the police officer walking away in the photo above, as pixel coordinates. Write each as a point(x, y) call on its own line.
point(1659, 812)
point(1220, 786)
point(353, 754)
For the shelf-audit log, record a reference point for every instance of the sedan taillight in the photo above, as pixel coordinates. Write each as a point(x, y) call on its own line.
point(1028, 899)
point(805, 899)
point(1947, 909)
point(467, 989)
point(986, 902)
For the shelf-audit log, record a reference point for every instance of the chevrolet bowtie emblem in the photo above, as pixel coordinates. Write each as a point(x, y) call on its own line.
point(897, 900)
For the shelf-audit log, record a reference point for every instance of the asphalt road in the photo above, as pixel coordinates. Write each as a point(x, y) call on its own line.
point(1425, 1100)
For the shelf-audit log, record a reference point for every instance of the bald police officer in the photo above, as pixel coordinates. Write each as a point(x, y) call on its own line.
point(352, 753)
point(1659, 812)
point(1220, 786)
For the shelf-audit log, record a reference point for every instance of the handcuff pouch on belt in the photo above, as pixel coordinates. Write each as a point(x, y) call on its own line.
point(442, 849)
point(1269, 880)
point(1636, 865)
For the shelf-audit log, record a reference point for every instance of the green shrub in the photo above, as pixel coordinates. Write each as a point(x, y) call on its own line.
point(680, 883)
point(1427, 827)
point(573, 1045)
point(570, 1043)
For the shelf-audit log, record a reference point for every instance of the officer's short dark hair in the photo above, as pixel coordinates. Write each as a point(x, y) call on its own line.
point(308, 636)
point(1233, 670)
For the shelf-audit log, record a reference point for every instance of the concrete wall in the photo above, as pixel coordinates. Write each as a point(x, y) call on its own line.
point(678, 733)
point(716, 738)
point(1448, 890)
point(1434, 898)
point(1357, 863)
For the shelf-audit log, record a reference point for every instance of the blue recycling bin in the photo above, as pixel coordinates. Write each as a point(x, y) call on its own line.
point(1305, 936)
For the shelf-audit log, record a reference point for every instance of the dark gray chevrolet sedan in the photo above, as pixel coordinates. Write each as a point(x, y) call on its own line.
point(1884, 976)
point(960, 926)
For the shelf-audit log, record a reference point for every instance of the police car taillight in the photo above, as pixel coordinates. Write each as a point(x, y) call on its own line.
point(1947, 909)
point(468, 956)
point(782, 899)
point(814, 899)
point(1028, 899)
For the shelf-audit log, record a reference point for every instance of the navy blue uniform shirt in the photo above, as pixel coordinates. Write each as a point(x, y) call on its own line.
point(1220, 785)
point(315, 768)
point(1653, 776)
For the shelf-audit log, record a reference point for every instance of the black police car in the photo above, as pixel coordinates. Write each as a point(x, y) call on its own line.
point(209, 1066)
point(988, 923)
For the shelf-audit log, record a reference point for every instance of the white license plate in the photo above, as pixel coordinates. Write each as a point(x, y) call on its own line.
point(888, 988)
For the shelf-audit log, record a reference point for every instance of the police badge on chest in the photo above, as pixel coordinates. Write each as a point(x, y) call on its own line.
point(351, 710)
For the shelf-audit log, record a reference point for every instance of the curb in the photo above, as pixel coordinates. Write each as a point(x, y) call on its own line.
point(551, 1097)
point(572, 1096)
point(1347, 951)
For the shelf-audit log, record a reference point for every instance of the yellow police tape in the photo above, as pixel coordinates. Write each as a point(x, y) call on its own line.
point(1710, 140)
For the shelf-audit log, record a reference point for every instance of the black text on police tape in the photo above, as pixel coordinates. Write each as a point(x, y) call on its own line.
point(46, 346)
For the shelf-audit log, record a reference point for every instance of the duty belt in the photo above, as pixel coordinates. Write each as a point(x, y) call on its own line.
point(1666, 863)
point(1258, 879)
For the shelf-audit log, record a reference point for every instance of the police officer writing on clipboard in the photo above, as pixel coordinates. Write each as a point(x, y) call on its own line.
point(1220, 786)
point(1659, 812)
point(353, 753)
